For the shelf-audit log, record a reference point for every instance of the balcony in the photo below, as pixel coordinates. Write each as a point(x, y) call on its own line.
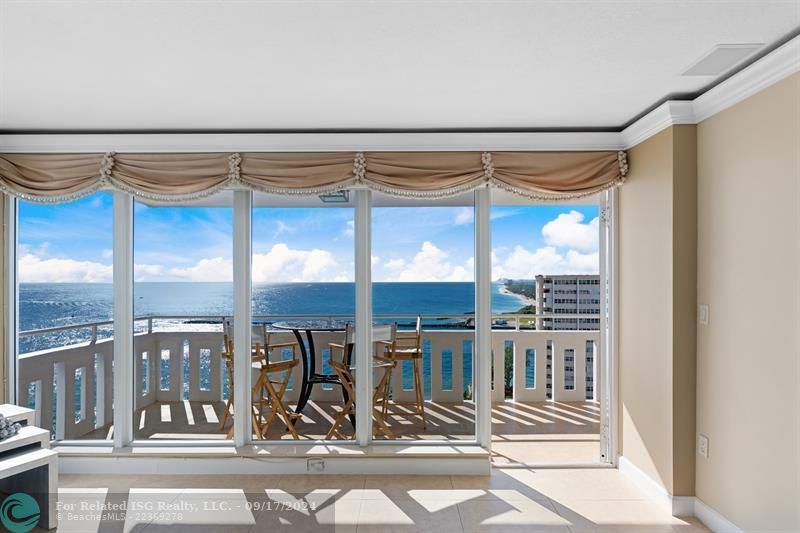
point(543, 386)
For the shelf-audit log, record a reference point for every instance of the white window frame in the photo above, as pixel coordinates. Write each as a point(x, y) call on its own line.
point(609, 327)
point(242, 257)
point(10, 298)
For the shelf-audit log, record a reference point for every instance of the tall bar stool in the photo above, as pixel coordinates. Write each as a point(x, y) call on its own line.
point(269, 387)
point(407, 346)
point(343, 368)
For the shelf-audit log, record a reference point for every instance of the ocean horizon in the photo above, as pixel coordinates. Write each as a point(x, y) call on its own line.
point(46, 305)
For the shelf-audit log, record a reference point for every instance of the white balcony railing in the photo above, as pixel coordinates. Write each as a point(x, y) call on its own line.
point(178, 360)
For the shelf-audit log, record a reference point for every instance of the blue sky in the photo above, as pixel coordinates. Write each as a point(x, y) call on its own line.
point(72, 242)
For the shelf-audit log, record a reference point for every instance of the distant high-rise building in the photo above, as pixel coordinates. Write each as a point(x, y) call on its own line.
point(569, 295)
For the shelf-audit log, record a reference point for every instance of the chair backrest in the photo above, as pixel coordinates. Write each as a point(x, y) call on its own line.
point(346, 355)
point(346, 377)
point(227, 356)
point(349, 334)
point(342, 367)
point(258, 332)
point(387, 332)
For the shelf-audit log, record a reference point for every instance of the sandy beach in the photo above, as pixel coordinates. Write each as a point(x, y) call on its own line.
point(524, 299)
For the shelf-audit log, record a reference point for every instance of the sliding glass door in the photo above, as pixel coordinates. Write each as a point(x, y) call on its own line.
point(65, 301)
point(423, 304)
point(303, 307)
point(182, 297)
point(547, 337)
point(303, 317)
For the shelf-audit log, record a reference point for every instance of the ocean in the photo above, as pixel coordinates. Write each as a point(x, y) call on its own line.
point(45, 305)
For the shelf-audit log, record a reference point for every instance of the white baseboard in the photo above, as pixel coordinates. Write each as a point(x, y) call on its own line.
point(652, 488)
point(677, 505)
point(683, 505)
point(713, 520)
point(262, 466)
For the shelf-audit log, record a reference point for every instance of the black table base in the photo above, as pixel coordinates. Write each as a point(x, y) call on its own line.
point(310, 375)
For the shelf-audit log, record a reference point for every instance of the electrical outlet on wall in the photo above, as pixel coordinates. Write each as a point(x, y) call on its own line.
point(315, 464)
point(702, 445)
point(702, 314)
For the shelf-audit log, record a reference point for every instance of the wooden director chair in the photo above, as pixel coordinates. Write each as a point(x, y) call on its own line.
point(343, 370)
point(407, 346)
point(269, 387)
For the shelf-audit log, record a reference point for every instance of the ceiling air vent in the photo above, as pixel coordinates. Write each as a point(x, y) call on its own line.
point(721, 59)
point(339, 197)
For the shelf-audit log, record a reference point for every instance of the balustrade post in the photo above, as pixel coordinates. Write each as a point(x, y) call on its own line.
point(60, 377)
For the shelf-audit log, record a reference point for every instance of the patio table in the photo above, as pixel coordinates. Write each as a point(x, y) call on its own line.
point(308, 355)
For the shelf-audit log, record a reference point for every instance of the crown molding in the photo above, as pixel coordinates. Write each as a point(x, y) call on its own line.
point(666, 115)
point(770, 69)
point(309, 142)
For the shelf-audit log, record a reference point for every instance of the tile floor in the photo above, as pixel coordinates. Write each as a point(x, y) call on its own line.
point(524, 433)
point(510, 500)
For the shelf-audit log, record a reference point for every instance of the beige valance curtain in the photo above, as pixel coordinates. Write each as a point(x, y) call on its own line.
point(176, 177)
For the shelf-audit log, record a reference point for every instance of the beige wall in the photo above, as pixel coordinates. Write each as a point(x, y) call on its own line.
point(657, 254)
point(645, 336)
point(748, 270)
point(684, 305)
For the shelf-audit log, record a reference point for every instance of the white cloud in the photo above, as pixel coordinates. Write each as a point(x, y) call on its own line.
point(395, 264)
point(580, 263)
point(146, 272)
point(214, 269)
point(283, 264)
point(464, 215)
point(569, 231)
point(429, 264)
point(33, 268)
point(459, 273)
point(375, 261)
point(282, 227)
point(279, 264)
point(526, 264)
point(349, 229)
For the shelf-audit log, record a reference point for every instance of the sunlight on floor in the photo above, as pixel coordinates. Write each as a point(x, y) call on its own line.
point(510, 500)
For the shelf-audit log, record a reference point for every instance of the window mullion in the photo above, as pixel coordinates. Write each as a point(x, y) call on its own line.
point(242, 315)
point(123, 319)
point(363, 333)
point(10, 298)
point(483, 316)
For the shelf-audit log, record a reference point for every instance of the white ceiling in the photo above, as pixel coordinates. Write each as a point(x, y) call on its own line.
point(174, 65)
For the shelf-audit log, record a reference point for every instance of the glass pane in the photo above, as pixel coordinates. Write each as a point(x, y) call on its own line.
point(65, 338)
point(545, 267)
point(303, 272)
point(183, 288)
point(423, 266)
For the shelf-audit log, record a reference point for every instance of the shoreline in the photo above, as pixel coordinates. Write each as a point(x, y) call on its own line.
point(525, 299)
